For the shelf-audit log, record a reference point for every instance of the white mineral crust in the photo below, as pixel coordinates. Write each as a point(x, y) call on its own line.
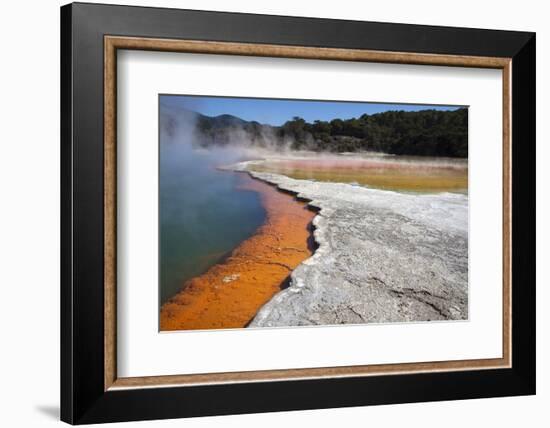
point(383, 257)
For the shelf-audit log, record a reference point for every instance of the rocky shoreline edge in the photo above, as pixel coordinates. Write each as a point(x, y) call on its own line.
point(382, 256)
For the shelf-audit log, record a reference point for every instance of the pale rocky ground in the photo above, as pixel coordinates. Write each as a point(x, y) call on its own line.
point(383, 257)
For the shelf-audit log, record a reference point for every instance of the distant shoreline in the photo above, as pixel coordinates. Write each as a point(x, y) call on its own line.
point(390, 172)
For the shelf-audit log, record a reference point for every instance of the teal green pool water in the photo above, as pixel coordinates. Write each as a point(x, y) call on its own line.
point(203, 214)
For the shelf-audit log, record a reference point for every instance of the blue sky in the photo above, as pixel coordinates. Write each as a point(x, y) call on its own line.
point(276, 112)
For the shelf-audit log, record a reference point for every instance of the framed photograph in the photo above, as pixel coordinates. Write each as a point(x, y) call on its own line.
point(265, 213)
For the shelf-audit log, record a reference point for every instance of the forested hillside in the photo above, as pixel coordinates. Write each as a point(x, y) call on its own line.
point(422, 133)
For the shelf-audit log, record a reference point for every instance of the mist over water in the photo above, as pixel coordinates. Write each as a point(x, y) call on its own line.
point(203, 213)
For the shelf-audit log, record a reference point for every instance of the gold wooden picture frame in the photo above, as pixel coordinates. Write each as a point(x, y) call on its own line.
point(114, 43)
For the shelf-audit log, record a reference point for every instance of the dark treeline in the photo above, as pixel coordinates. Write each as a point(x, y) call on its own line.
point(421, 133)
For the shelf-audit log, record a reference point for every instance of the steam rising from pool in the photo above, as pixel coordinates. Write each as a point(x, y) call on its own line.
point(203, 212)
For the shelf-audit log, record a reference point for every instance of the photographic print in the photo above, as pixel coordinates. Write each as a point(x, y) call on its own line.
point(288, 213)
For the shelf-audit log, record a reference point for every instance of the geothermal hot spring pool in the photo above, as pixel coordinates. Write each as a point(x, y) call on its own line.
point(204, 214)
point(229, 242)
